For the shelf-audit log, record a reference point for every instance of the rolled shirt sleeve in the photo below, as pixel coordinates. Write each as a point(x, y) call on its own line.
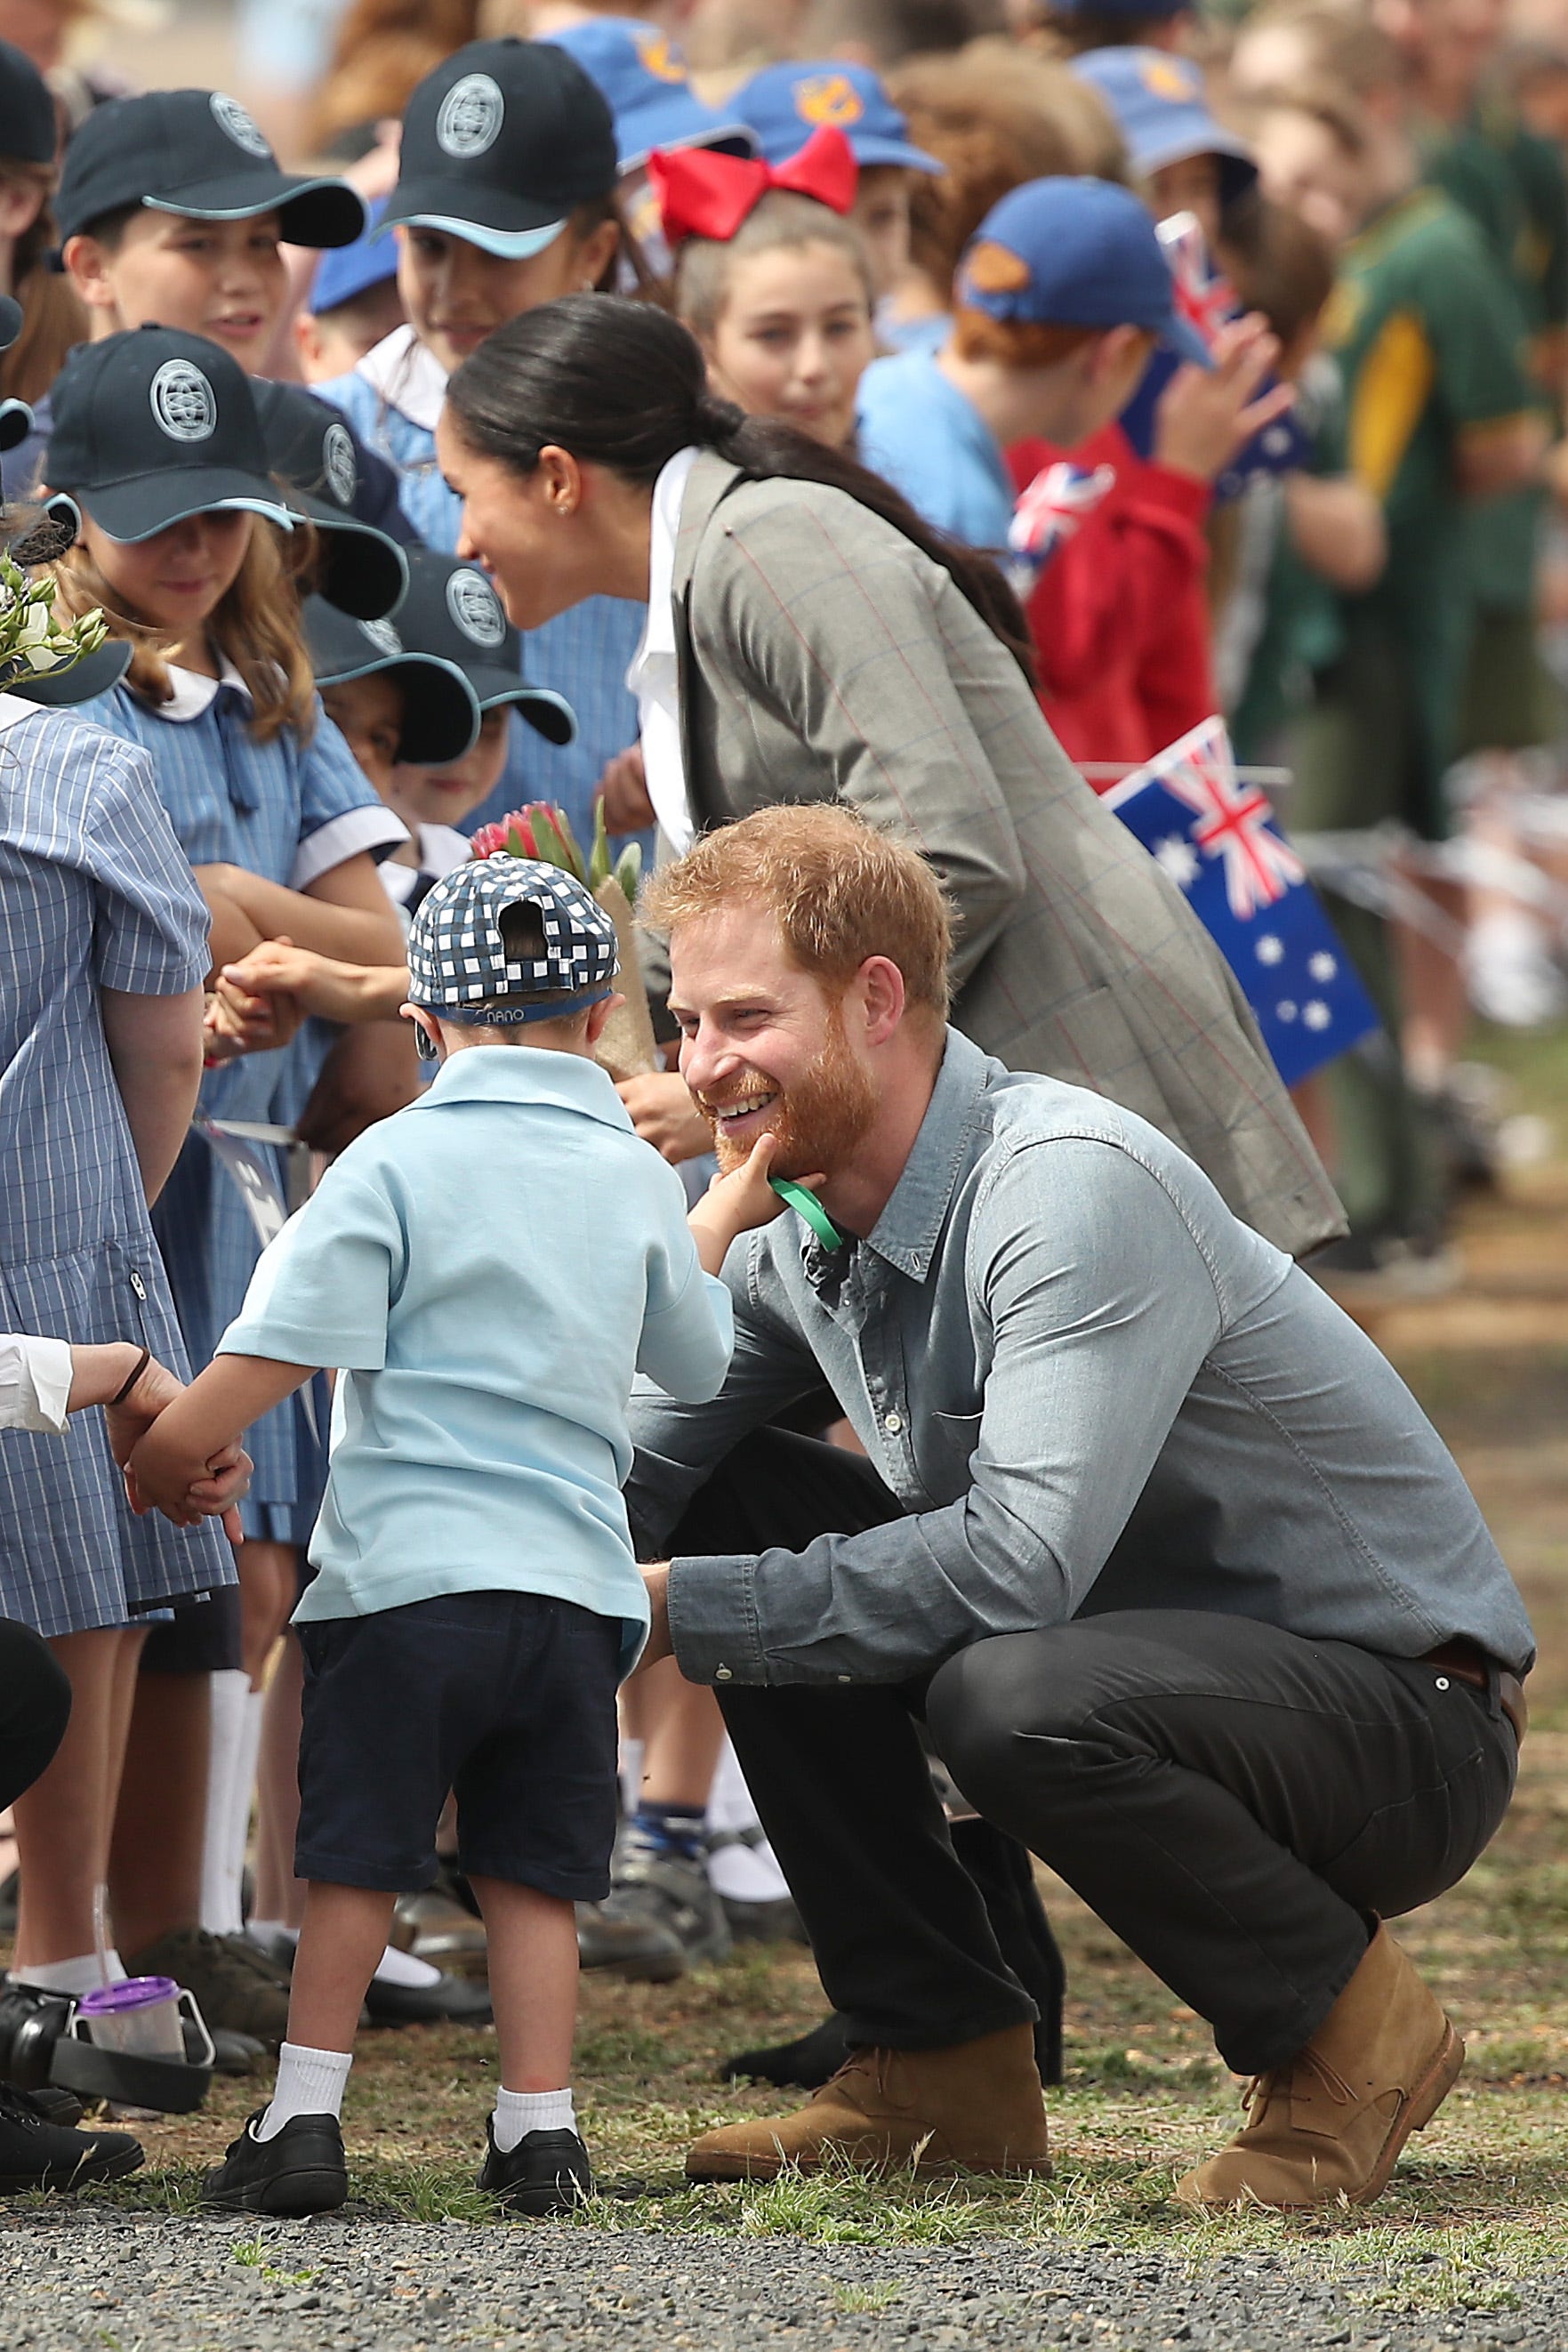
point(1096, 1323)
point(35, 1382)
point(339, 814)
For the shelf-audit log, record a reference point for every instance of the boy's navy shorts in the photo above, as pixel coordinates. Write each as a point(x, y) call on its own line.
point(505, 1698)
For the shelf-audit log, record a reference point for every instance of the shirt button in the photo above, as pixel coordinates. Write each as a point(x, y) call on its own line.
point(843, 1678)
point(1442, 1682)
point(721, 1674)
point(893, 1424)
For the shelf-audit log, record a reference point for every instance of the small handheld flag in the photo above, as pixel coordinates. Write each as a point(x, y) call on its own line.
point(1049, 511)
point(1217, 840)
point(1208, 301)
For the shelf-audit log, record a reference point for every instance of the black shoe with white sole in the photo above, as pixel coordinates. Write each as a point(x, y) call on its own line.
point(37, 2153)
point(547, 2172)
point(301, 2169)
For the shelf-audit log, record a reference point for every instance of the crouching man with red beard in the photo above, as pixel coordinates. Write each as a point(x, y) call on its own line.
point(1193, 1599)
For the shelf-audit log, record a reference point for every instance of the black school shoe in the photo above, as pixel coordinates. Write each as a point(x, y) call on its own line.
point(35, 2153)
point(547, 2172)
point(301, 2169)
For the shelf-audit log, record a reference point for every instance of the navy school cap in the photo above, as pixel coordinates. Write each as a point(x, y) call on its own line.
point(500, 144)
point(784, 104)
point(643, 79)
point(1162, 110)
point(152, 425)
point(200, 152)
point(440, 713)
point(1074, 253)
point(459, 959)
point(311, 450)
point(452, 610)
point(29, 126)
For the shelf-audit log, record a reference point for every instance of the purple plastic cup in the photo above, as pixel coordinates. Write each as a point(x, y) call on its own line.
point(139, 2015)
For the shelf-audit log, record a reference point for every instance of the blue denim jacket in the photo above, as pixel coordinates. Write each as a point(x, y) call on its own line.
point(1091, 1388)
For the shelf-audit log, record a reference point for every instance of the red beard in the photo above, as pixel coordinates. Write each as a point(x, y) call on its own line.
point(818, 1120)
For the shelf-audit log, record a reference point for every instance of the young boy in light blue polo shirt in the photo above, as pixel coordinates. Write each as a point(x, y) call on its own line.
point(477, 1602)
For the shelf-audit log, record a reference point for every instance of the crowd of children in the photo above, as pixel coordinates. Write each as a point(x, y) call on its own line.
point(1243, 344)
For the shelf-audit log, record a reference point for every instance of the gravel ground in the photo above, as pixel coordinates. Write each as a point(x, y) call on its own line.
point(85, 2278)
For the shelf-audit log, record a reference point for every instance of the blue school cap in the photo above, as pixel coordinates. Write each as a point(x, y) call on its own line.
point(1163, 114)
point(351, 270)
point(642, 74)
point(1074, 253)
point(784, 104)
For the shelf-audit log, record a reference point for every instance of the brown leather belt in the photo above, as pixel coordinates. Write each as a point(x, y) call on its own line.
point(1469, 1664)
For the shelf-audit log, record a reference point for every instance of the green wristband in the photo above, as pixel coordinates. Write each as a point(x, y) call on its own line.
point(805, 1204)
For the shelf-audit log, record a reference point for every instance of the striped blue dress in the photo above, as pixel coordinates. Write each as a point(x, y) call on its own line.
point(288, 812)
point(583, 653)
point(94, 894)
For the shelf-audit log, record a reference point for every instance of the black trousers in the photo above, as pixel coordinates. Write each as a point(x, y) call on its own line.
point(1235, 1802)
point(35, 1707)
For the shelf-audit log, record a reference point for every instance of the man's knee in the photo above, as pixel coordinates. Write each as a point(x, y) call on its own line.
point(987, 1699)
point(35, 1707)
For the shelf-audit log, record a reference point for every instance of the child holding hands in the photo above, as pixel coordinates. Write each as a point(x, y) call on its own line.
point(477, 1602)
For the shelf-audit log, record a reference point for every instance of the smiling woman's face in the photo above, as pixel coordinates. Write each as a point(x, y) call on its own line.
point(527, 541)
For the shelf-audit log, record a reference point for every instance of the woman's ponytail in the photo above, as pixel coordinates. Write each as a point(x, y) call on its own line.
point(623, 386)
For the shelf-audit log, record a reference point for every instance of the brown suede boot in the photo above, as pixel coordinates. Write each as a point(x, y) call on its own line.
point(976, 2107)
point(1331, 2123)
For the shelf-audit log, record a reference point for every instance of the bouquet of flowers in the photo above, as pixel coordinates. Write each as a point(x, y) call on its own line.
point(544, 831)
point(33, 643)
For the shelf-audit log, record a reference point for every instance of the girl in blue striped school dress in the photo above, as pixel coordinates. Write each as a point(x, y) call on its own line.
point(506, 197)
point(155, 435)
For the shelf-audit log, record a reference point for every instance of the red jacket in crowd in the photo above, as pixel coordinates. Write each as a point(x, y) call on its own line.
point(1120, 619)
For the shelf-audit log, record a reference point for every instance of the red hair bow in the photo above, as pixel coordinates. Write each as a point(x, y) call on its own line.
point(704, 193)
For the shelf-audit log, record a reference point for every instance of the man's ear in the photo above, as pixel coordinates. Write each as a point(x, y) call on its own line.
point(883, 998)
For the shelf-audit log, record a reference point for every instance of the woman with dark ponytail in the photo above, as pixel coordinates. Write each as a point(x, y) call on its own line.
point(810, 638)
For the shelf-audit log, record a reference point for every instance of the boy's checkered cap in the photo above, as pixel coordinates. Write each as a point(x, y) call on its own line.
point(457, 959)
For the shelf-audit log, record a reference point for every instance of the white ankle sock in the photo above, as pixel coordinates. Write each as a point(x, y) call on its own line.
point(72, 1977)
point(393, 1967)
point(231, 1787)
point(518, 2112)
point(310, 2082)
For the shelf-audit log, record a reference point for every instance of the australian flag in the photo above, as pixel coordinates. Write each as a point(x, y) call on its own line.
point(1216, 839)
point(1208, 301)
point(1047, 512)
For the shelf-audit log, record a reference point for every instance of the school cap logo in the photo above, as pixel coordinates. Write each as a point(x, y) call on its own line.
point(340, 469)
point(237, 124)
point(382, 636)
point(184, 404)
point(660, 57)
point(829, 98)
point(471, 116)
point(1163, 78)
point(475, 607)
point(993, 268)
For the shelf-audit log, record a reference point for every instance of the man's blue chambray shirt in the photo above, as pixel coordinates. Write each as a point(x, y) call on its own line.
point(1092, 1389)
point(488, 1269)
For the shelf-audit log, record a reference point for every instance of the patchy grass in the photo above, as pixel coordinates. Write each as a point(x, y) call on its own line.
point(1482, 2200)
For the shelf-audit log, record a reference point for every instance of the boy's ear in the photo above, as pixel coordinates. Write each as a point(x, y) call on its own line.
point(87, 264)
point(598, 1015)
